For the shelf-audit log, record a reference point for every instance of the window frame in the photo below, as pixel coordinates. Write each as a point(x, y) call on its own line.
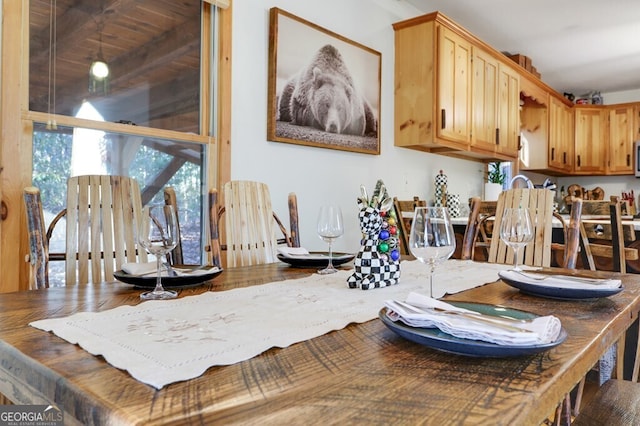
point(16, 125)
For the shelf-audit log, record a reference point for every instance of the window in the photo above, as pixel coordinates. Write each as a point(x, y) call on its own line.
point(152, 93)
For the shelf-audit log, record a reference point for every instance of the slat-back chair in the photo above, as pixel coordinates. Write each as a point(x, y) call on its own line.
point(404, 212)
point(176, 256)
point(38, 257)
point(540, 205)
point(603, 236)
point(479, 229)
point(249, 224)
point(101, 215)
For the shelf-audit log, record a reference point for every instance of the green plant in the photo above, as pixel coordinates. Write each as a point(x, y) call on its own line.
point(496, 175)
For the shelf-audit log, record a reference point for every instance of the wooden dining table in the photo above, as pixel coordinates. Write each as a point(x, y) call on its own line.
point(361, 374)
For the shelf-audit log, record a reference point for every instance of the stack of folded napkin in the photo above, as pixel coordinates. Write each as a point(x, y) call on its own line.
point(562, 281)
point(424, 311)
point(149, 268)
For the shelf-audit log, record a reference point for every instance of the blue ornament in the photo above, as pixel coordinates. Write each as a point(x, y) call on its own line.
point(384, 234)
point(395, 255)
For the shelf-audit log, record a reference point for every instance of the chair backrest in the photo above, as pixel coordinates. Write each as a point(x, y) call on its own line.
point(481, 225)
point(249, 224)
point(38, 242)
point(603, 235)
point(479, 229)
point(176, 256)
point(102, 213)
point(404, 212)
point(540, 205)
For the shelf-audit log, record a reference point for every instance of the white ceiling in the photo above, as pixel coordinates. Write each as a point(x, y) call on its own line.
point(578, 46)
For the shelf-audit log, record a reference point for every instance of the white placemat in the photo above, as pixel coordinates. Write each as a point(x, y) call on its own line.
point(161, 342)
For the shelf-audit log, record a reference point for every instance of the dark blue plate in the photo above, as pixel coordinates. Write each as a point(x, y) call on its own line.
point(149, 281)
point(436, 339)
point(316, 259)
point(563, 293)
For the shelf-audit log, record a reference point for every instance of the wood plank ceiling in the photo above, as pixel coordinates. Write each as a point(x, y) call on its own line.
point(152, 48)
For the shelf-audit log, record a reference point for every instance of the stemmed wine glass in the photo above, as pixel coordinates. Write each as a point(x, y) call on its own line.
point(431, 239)
point(157, 234)
point(516, 230)
point(330, 227)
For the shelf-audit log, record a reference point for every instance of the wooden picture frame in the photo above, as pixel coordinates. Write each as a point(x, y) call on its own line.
point(323, 89)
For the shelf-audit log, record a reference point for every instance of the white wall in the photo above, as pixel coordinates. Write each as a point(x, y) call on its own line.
point(319, 175)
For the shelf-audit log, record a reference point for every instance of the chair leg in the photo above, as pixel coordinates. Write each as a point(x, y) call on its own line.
point(579, 393)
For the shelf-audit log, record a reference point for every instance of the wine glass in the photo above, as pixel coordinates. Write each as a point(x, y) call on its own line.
point(157, 234)
point(431, 239)
point(330, 227)
point(516, 230)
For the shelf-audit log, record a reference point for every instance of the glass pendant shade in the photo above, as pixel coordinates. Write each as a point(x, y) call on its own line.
point(99, 77)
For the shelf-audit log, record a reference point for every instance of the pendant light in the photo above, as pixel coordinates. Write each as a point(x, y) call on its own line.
point(99, 70)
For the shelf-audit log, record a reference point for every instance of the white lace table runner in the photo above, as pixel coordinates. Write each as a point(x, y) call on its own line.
point(161, 342)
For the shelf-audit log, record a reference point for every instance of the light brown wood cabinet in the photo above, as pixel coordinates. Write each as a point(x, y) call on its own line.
point(622, 131)
point(508, 111)
point(561, 139)
point(454, 86)
point(453, 94)
point(485, 101)
point(591, 139)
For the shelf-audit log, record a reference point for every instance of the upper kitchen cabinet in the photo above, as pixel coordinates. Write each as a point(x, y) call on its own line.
point(495, 102)
point(454, 88)
point(561, 140)
point(622, 132)
point(508, 128)
point(484, 111)
point(452, 93)
point(591, 142)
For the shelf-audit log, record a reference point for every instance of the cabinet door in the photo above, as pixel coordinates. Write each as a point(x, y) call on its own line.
point(621, 136)
point(484, 109)
point(560, 136)
point(508, 111)
point(454, 86)
point(591, 140)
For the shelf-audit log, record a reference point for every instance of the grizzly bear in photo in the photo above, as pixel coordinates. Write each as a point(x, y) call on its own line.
point(322, 95)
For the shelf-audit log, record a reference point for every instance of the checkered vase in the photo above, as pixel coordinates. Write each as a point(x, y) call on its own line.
point(453, 204)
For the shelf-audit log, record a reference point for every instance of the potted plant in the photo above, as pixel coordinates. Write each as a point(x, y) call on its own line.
point(495, 178)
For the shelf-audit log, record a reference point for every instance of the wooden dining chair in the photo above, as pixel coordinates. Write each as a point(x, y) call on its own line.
point(539, 202)
point(479, 230)
point(404, 210)
point(250, 225)
point(102, 212)
point(38, 257)
point(176, 256)
point(100, 218)
point(605, 241)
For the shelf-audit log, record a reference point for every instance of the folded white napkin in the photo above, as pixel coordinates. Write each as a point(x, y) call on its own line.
point(149, 268)
point(293, 251)
point(559, 281)
point(540, 330)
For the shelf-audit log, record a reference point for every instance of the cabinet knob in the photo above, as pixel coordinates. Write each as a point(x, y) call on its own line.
point(553, 154)
point(497, 136)
point(578, 160)
point(443, 118)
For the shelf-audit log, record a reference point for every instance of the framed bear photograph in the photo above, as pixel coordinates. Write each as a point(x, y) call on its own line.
point(323, 89)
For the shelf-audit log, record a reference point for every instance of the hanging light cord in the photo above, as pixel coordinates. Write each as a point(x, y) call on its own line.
point(53, 46)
